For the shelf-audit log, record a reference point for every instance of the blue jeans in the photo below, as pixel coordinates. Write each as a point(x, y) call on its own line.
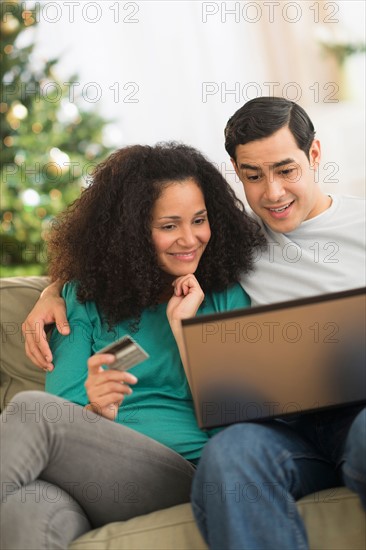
point(250, 476)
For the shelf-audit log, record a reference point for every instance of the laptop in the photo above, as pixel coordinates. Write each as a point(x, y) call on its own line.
point(277, 360)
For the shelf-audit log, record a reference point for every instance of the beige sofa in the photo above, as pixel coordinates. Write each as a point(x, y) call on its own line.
point(334, 518)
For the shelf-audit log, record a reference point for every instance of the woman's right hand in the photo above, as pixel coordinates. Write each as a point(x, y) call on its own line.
point(106, 389)
point(50, 308)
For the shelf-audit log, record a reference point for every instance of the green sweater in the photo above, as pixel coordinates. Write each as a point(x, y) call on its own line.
point(161, 404)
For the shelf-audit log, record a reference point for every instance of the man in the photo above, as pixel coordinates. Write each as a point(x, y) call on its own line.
point(250, 475)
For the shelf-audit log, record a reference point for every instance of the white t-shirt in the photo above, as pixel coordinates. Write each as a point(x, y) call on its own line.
point(324, 254)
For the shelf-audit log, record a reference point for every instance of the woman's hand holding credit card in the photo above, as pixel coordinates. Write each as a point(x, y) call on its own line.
point(106, 388)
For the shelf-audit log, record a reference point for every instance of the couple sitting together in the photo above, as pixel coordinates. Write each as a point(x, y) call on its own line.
point(159, 236)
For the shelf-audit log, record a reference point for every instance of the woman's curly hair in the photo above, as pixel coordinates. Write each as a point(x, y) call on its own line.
point(103, 240)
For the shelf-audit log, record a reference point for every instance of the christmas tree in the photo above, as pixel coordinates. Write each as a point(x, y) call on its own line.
point(50, 143)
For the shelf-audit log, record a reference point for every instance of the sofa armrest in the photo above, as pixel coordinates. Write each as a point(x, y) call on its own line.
point(17, 373)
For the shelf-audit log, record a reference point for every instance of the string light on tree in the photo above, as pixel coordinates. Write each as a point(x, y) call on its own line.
point(30, 197)
point(9, 24)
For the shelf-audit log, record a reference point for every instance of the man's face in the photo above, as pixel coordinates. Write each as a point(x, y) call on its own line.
point(279, 180)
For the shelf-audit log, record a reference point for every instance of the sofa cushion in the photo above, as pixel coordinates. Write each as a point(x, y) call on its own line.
point(168, 529)
point(334, 520)
point(17, 373)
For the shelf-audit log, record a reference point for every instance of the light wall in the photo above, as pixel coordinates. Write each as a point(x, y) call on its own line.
point(176, 70)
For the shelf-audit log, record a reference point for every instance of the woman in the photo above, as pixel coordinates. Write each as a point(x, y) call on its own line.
point(157, 237)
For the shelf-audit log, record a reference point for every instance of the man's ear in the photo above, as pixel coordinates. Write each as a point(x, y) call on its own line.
point(315, 154)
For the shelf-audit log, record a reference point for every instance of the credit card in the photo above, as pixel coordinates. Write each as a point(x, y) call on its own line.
point(128, 353)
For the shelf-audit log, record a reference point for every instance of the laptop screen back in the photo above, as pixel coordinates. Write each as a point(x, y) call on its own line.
point(269, 361)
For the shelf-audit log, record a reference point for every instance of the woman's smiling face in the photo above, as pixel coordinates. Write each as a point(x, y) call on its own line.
point(180, 228)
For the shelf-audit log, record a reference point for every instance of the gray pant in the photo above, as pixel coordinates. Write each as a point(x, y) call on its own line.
point(66, 470)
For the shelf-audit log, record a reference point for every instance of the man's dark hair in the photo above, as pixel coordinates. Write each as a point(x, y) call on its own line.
point(103, 241)
point(262, 117)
